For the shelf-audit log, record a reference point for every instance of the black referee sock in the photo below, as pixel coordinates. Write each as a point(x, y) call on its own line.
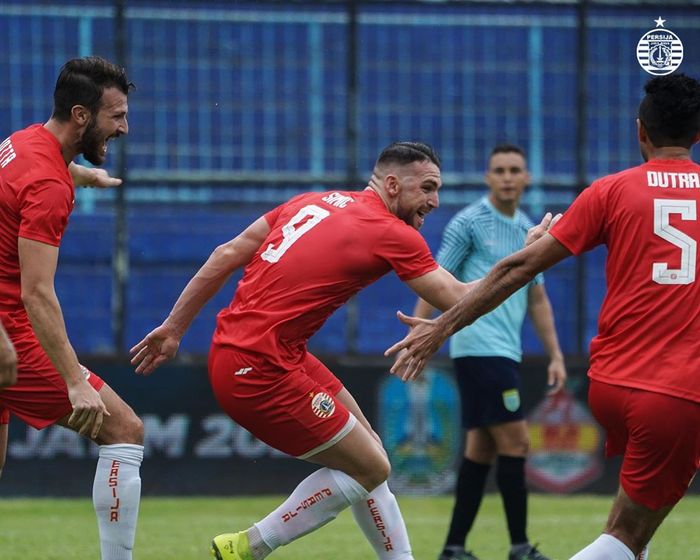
point(510, 477)
point(468, 495)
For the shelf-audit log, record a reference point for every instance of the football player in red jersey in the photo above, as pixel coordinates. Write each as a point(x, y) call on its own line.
point(36, 198)
point(303, 260)
point(645, 358)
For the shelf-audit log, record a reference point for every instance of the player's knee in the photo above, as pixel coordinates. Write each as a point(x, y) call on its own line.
point(136, 430)
point(517, 447)
point(379, 473)
point(130, 430)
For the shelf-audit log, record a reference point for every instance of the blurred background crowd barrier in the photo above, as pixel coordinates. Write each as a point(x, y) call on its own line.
point(240, 105)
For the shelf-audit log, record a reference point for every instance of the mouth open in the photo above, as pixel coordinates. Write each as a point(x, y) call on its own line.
point(104, 145)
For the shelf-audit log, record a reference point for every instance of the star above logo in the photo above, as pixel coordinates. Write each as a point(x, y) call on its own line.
point(659, 22)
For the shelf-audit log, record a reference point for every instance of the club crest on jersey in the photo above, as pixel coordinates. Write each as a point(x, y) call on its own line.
point(323, 405)
point(511, 400)
point(659, 51)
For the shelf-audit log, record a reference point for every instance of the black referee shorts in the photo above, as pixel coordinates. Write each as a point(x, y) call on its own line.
point(489, 388)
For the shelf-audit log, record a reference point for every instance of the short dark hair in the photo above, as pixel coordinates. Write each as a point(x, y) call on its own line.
point(82, 81)
point(506, 148)
point(670, 110)
point(404, 153)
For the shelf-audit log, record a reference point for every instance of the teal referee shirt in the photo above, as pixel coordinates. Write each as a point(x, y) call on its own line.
point(475, 239)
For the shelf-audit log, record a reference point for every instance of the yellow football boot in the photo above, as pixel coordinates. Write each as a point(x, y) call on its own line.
point(231, 546)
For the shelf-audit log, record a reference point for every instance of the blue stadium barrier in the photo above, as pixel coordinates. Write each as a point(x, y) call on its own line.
point(260, 91)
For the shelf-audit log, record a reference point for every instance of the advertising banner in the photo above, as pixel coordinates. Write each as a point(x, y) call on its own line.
point(193, 448)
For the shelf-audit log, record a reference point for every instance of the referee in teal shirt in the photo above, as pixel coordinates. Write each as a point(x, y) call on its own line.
point(487, 355)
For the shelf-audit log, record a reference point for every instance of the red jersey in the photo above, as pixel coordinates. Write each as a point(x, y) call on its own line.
point(36, 198)
point(649, 325)
point(321, 250)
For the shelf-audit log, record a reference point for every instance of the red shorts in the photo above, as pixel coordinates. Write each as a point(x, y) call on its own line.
point(40, 396)
point(291, 410)
point(658, 436)
point(4, 415)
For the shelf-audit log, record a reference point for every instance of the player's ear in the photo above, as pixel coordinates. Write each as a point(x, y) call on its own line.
point(641, 132)
point(80, 114)
point(391, 183)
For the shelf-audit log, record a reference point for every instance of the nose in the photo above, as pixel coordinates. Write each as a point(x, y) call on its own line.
point(123, 127)
point(434, 200)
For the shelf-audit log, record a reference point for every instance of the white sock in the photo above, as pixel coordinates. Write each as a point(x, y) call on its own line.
point(379, 517)
point(318, 499)
point(116, 494)
point(605, 547)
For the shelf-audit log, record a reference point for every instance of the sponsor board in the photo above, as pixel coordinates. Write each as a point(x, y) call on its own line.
point(565, 445)
point(419, 423)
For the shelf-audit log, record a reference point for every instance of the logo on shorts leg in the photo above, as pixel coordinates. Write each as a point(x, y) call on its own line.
point(323, 405)
point(511, 400)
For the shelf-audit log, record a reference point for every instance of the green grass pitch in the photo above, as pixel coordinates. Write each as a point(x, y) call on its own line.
point(181, 528)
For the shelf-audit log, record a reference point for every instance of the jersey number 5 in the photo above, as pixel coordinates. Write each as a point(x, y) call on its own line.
point(660, 273)
point(292, 233)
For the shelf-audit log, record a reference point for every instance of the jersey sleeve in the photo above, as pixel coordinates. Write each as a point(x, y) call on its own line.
point(406, 252)
point(456, 244)
point(272, 215)
point(45, 205)
point(582, 226)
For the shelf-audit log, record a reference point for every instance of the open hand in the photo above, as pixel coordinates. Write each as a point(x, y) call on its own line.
point(535, 232)
point(160, 345)
point(418, 346)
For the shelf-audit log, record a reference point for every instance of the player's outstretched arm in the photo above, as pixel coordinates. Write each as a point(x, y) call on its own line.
point(92, 177)
point(162, 343)
point(438, 289)
point(507, 276)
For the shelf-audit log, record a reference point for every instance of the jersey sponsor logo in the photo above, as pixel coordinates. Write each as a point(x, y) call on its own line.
point(565, 445)
point(322, 405)
point(420, 427)
point(659, 50)
point(7, 153)
point(243, 371)
point(670, 180)
point(511, 399)
point(338, 200)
